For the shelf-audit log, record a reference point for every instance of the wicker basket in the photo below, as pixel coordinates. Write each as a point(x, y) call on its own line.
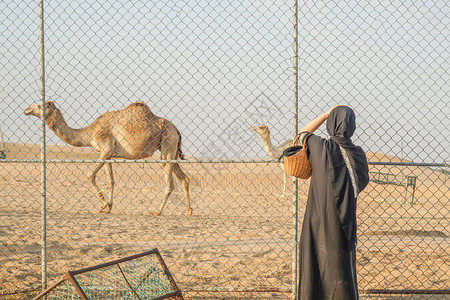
point(295, 161)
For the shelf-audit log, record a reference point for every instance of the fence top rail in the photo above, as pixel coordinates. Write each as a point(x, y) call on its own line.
point(195, 161)
point(139, 161)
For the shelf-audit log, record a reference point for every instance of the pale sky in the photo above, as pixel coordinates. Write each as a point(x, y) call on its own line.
point(217, 67)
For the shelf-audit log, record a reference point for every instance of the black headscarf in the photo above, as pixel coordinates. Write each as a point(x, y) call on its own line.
point(341, 125)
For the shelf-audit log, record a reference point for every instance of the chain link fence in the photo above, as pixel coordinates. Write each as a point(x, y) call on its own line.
point(215, 69)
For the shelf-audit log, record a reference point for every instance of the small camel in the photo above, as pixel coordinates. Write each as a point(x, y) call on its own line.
point(273, 151)
point(130, 133)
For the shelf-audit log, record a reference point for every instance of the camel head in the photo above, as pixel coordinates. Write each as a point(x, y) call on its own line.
point(261, 129)
point(35, 109)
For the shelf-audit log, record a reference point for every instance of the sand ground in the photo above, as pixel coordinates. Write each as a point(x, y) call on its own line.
point(239, 237)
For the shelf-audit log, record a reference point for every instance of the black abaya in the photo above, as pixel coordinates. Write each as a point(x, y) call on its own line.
point(327, 242)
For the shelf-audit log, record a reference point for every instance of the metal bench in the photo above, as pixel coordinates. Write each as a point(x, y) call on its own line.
point(395, 179)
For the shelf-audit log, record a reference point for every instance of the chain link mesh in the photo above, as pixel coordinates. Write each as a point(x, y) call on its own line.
point(215, 69)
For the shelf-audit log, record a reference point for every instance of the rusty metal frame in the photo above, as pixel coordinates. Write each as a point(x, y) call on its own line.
point(70, 276)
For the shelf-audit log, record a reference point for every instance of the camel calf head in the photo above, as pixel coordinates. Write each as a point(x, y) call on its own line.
point(261, 129)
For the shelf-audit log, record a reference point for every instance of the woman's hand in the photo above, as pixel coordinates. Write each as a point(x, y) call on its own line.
point(331, 109)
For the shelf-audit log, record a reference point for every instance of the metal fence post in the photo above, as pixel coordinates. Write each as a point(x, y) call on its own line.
point(43, 154)
point(294, 180)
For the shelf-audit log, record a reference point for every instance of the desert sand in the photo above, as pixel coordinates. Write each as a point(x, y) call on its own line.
point(238, 241)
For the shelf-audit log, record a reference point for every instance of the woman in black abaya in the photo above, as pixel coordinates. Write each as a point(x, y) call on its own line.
point(328, 237)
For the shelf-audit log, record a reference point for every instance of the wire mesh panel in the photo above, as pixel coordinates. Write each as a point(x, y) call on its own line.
point(19, 80)
point(142, 276)
point(213, 69)
point(221, 73)
point(389, 62)
point(403, 241)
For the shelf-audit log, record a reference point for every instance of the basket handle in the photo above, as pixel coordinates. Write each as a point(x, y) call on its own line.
point(296, 139)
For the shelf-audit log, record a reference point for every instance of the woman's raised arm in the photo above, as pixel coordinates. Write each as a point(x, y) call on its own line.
point(312, 126)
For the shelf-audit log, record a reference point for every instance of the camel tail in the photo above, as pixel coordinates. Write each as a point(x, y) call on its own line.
point(179, 151)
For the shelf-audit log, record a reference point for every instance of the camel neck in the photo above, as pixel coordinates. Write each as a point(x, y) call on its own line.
point(267, 141)
point(74, 137)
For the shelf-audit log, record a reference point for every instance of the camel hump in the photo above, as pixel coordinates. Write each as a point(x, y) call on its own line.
point(139, 109)
point(138, 105)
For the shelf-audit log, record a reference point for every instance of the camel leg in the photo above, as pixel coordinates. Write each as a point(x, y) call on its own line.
point(169, 186)
point(111, 187)
point(185, 182)
point(285, 178)
point(106, 154)
point(99, 194)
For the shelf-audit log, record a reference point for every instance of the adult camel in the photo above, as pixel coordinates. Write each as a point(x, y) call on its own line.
point(130, 133)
